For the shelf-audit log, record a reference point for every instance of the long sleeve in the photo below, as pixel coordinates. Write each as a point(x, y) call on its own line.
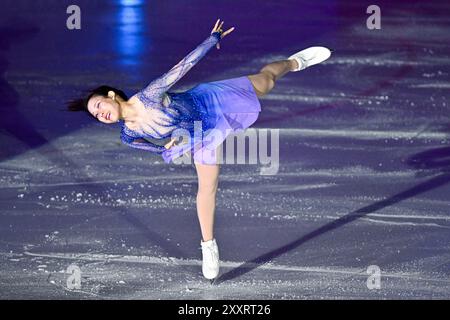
point(154, 91)
point(141, 143)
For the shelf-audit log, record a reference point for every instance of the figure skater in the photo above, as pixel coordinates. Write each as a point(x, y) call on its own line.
point(151, 116)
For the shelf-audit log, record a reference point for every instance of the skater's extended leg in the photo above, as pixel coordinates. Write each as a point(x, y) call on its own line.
point(208, 180)
point(264, 81)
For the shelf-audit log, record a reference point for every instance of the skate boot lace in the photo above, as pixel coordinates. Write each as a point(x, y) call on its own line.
point(303, 61)
point(210, 253)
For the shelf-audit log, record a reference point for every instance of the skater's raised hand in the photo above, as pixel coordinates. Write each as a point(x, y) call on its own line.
point(218, 28)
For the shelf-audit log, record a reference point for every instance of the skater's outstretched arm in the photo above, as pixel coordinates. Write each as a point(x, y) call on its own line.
point(154, 91)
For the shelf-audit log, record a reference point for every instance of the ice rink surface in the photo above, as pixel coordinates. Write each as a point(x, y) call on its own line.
point(364, 162)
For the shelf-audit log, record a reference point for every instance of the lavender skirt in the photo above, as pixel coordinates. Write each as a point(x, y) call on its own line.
point(228, 107)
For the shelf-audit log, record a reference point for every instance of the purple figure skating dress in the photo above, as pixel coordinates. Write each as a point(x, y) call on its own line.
point(209, 112)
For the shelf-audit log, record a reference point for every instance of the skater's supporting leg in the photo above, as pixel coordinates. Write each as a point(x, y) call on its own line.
point(264, 81)
point(208, 180)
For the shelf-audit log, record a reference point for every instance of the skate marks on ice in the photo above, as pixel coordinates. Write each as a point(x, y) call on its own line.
point(261, 260)
point(127, 276)
point(51, 167)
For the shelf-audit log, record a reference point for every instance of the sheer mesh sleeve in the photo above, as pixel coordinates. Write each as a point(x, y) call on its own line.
point(141, 143)
point(153, 92)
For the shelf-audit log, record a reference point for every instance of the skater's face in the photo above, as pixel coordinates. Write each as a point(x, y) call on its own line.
point(105, 109)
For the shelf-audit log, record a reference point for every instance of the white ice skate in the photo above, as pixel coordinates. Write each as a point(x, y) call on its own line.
point(210, 253)
point(310, 56)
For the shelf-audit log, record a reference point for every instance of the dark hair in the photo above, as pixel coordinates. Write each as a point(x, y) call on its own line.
point(80, 104)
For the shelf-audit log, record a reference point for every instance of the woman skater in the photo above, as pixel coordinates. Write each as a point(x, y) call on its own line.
point(152, 116)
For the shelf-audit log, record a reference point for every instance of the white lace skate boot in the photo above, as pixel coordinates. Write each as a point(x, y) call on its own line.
point(310, 56)
point(210, 253)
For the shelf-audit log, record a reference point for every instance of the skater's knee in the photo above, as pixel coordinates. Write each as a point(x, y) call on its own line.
point(208, 178)
point(207, 189)
point(208, 186)
point(268, 74)
point(263, 82)
point(269, 83)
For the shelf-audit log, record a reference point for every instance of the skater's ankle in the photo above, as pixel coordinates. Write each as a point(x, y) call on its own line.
point(293, 64)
